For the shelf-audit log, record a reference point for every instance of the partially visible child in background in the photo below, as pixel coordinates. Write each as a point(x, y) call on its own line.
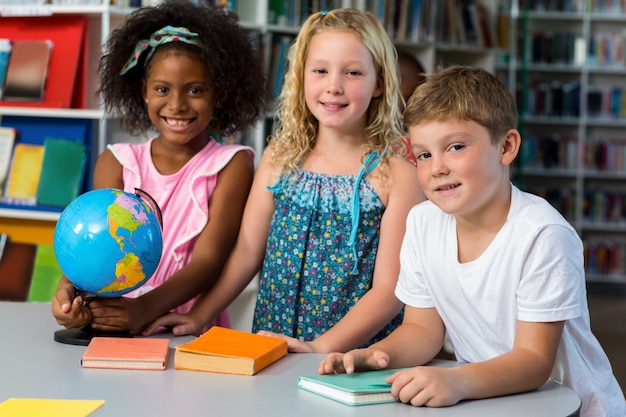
point(498, 268)
point(190, 73)
point(411, 76)
point(327, 210)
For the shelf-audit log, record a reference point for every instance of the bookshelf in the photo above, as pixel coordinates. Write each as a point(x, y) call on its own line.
point(35, 225)
point(567, 69)
point(434, 43)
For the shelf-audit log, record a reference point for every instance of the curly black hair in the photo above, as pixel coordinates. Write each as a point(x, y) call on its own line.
point(232, 64)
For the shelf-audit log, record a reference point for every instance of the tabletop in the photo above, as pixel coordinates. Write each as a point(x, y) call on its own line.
point(33, 365)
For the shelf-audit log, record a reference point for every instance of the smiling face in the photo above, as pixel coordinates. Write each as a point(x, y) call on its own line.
point(340, 81)
point(179, 97)
point(459, 167)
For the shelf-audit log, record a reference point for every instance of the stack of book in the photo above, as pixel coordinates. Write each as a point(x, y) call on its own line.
point(49, 174)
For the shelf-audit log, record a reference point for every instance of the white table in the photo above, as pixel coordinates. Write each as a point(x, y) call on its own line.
point(33, 365)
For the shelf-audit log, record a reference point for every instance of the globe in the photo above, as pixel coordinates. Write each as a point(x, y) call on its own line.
point(108, 242)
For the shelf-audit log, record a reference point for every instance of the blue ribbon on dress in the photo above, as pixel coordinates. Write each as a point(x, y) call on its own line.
point(368, 165)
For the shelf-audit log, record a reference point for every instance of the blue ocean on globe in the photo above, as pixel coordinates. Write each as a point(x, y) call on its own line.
point(108, 242)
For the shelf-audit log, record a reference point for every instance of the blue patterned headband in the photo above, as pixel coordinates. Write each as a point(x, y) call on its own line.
point(164, 35)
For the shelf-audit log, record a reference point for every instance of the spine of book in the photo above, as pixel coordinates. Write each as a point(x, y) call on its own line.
point(7, 141)
point(5, 53)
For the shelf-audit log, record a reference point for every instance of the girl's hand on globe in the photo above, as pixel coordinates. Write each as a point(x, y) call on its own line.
point(181, 325)
point(117, 314)
point(68, 308)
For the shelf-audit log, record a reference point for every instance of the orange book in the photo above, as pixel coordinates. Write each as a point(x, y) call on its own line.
point(126, 353)
point(229, 351)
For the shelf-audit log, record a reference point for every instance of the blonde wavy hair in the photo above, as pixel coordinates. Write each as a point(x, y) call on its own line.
point(297, 127)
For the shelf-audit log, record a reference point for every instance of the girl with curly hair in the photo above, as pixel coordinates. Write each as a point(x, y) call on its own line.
point(326, 214)
point(189, 74)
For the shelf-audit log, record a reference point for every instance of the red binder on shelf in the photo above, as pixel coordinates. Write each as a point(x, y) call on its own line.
point(68, 34)
point(27, 70)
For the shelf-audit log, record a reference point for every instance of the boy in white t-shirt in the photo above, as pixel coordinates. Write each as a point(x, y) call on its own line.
point(500, 269)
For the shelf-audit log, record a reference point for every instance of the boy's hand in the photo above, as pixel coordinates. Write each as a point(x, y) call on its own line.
point(353, 361)
point(426, 386)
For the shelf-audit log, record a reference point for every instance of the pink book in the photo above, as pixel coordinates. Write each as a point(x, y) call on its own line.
point(126, 353)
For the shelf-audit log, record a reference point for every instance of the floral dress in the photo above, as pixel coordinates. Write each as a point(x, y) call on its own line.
point(320, 253)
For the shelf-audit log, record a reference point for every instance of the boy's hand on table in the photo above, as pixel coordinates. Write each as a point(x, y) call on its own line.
point(353, 361)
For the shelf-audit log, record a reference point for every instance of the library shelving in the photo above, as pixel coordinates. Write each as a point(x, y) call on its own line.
point(567, 68)
point(445, 32)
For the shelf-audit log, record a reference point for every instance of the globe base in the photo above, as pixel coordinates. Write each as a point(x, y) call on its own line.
point(83, 335)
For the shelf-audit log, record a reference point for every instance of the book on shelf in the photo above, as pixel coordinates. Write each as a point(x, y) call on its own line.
point(24, 174)
point(277, 12)
point(359, 388)
point(388, 20)
point(280, 46)
point(229, 351)
point(452, 32)
point(46, 275)
point(62, 171)
point(480, 22)
point(49, 407)
point(27, 71)
point(415, 21)
point(402, 19)
point(126, 353)
point(605, 257)
point(5, 53)
point(16, 268)
point(7, 141)
point(471, 31)
point(503, 24)
point(28, 272)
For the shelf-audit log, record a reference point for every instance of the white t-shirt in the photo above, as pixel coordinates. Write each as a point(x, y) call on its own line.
point(532, 271)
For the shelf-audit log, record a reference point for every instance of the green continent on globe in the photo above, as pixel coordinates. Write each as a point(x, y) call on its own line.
point(121, 217)
point(128, 273)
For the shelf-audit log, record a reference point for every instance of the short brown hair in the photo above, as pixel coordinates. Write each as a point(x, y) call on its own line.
point(463, 93)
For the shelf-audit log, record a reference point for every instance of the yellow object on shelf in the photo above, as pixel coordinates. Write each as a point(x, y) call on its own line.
point(28, 230)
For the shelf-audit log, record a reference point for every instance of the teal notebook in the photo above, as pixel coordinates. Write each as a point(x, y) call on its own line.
point(359, 388)
point(62, 171)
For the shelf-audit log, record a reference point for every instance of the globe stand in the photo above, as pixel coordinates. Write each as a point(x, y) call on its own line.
point(83, 335)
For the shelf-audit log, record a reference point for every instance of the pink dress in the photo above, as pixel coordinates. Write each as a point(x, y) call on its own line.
point(183, 198)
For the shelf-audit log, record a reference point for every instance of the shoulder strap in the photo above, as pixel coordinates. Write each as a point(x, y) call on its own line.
point(371, 161)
